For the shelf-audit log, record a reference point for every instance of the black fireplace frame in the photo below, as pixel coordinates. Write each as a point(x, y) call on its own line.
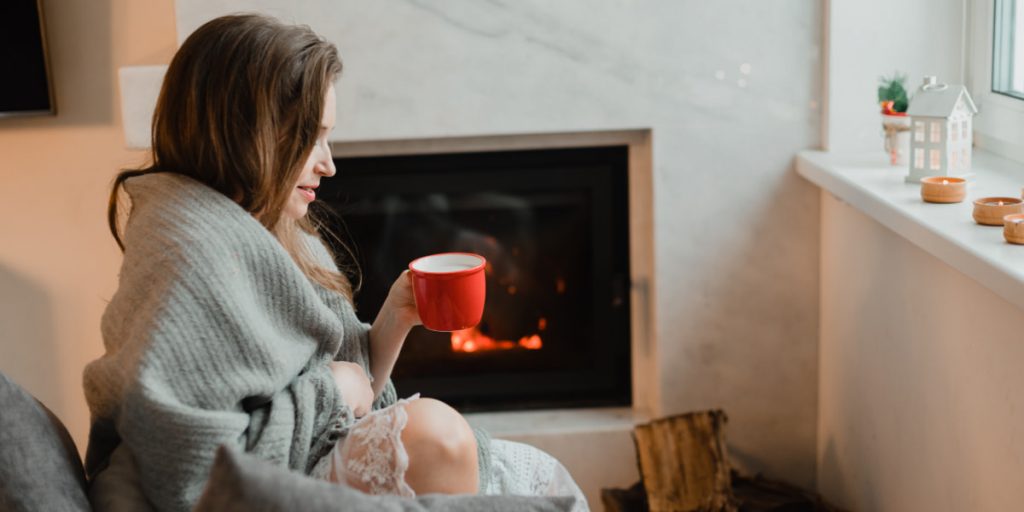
point(604, 172)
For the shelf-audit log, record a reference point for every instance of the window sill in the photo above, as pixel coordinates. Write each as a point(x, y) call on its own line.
point(947, 231)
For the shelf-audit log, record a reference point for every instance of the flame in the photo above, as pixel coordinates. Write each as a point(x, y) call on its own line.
point(472, 340)
point(531, 342)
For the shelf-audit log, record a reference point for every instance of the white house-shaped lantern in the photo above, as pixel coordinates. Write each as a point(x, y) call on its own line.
point(940, 140)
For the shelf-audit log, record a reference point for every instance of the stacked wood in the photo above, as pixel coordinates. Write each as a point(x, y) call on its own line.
point(760, 494)
point(633, 499)
point(684, 466)
point(754, 494)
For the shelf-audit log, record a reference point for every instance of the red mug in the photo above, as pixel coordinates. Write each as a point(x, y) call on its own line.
point(449, 290)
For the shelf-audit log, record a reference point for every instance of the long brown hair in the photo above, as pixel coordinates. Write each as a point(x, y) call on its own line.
point(240, 110)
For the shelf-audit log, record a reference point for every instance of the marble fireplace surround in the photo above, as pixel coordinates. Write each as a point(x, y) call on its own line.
point(713, 98)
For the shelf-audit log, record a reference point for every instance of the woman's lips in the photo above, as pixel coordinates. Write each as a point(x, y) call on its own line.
point(308, 193)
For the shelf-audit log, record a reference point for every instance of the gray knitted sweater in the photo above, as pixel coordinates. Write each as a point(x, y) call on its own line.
point(215, 337)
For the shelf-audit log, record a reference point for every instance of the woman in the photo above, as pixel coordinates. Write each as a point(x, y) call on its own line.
point(232, 324)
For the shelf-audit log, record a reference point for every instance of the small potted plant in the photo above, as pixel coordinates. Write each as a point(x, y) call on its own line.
point(893, 99)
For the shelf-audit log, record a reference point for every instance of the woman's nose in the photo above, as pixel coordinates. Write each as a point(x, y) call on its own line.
point(326, 167)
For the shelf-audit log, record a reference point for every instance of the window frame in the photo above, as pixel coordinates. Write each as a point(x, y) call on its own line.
point(999, 127)
point(1008, 9)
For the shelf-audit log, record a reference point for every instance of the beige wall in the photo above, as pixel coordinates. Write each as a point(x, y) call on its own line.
point(58, 263)
point(919, 380)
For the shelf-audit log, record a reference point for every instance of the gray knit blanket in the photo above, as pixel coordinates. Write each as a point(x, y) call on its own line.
point(214, 337)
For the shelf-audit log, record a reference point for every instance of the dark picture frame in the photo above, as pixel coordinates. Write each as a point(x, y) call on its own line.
point(27, 87)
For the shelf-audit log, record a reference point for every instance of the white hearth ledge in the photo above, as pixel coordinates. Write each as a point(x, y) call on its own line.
point(557, 421)
point(946, 231)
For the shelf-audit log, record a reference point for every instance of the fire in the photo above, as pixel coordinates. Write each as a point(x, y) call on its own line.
point(530, 342)
point(472, 340)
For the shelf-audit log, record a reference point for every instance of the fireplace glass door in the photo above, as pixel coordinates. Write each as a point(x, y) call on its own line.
point(553, 226)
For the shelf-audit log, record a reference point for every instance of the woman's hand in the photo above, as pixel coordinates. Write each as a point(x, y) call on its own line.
point(354, 385)
point(400, 305)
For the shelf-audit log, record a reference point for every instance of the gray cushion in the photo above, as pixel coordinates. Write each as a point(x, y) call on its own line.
point(39, 464)
point(242, 482)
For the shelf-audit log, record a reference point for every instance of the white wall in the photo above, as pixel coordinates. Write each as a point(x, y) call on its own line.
point(871, 38)
point(920, 377)
point(58, 263)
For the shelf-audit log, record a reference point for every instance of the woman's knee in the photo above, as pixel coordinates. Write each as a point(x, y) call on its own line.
point(442, 449)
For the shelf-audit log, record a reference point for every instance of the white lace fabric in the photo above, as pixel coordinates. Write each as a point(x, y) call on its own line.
point(372, 457)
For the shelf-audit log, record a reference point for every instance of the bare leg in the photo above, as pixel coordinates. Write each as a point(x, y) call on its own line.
point(440, 445)
point(442, 449)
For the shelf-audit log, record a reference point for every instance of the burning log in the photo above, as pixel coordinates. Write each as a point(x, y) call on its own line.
point(472, 340)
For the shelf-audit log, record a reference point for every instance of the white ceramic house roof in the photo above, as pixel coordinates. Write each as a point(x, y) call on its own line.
point(939, 101)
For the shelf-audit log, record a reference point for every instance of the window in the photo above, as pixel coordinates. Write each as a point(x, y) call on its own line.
point(1008, 48)
point(965, 127)
point(936, 131)
point(953, 160)
point(936, 159)
point(954, 131)
point(995, 54)
point(918, 131)
point(918, 158)
point(994, 28)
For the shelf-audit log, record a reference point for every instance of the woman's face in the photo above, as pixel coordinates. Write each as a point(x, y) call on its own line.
point(318, 165)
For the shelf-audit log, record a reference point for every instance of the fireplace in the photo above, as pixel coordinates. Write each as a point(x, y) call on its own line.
point(553, 225)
